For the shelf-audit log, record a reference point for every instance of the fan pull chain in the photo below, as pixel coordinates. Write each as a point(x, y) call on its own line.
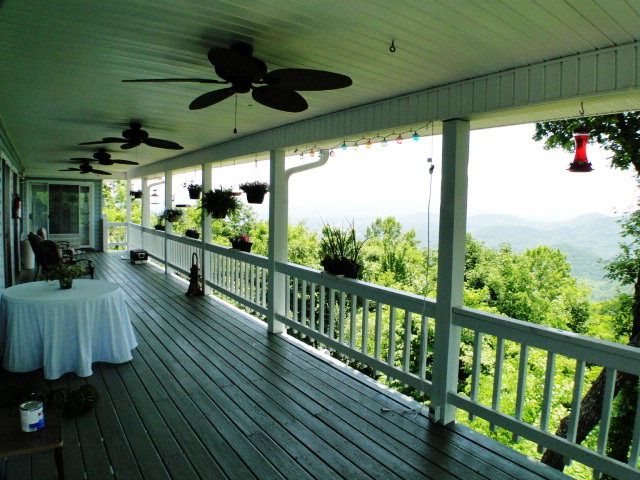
point(235, 117)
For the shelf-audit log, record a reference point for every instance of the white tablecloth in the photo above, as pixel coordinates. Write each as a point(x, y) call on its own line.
point(42, 326)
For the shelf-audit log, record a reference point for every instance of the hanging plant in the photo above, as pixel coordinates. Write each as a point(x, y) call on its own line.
point(136, 193)
point(171, 215)
point(255, 191)
point(220, 202)
point(194, 190)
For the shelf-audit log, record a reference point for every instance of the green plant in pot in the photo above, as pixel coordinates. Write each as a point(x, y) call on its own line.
point(241, 242)
point(64, 273)
point(220, 202)
point(192, 233)
point(194, 190)
point(172, 214)
point(255, 191)
point(340, 251)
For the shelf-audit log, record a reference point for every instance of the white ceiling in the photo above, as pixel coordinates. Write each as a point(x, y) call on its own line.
point(62, 62)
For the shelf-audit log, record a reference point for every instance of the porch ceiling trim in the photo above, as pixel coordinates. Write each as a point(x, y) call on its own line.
point(598, 73)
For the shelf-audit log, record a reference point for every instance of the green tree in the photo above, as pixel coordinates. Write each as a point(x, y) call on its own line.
point(619, 134)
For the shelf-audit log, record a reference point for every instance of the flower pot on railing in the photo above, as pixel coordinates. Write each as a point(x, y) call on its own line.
point(241, 243)
point(65, 283)
point(136, 193)
point(341, 267)
point(191, 233)
point(159, 227)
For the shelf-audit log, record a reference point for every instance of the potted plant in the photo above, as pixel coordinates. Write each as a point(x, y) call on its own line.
point(136, 193)
point(219, 202)
point(255, 191)
point(340, 251)
point(241, 242)
point(172, 214)
point(194, 190)
point(64, 273)
point(160, 222)
point(191, 233)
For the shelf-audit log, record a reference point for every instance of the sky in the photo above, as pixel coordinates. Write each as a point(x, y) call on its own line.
point(509, 173)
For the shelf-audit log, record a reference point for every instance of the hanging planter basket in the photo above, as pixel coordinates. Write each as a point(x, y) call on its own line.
point(255, 191)
point(220, 202)
point(194, 191)
point(136, 193)
point(191, 233)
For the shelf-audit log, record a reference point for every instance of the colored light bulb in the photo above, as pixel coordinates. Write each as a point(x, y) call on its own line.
point(415, 136)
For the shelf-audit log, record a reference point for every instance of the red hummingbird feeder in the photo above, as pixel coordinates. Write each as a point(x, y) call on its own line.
point(580, 162)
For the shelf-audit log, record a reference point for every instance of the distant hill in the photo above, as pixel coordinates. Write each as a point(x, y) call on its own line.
point(589, 241)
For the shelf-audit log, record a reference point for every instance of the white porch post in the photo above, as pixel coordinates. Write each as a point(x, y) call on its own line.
point(146, 210)
point(278, 220)
point(128, 207)
point(207, 236)
point(168, 226)
point(451, 247)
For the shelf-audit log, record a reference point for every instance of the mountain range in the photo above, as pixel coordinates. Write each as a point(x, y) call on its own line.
point(588, 241)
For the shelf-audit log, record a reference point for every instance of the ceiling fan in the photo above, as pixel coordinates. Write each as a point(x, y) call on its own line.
point(275, 89)
point(104, 158)
point(135, 136)
point(85, 167)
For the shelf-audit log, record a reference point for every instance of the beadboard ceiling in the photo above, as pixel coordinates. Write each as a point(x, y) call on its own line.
point(62, 62)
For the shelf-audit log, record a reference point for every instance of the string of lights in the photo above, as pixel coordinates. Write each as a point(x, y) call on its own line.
point(367, 142)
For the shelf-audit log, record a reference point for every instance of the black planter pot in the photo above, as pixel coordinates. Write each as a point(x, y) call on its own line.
point(192, 233)
point(194, 194)
point(219, 212)
point(242, 246)
point(341, 266)
point(136, 194)
point(255, 196)
point(159, 227)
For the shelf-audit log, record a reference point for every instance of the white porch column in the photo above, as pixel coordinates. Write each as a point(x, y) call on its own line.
point(128, 207)
point(278, 220)
point(146, 203)
point(451, 246)
point(146, 210)
point(168, 226)
point(168, 200)
point(207, 236)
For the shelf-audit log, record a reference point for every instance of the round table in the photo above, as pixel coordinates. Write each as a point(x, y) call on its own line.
point(43, 326)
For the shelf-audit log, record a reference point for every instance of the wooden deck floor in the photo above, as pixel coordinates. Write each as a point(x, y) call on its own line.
point(209, 394)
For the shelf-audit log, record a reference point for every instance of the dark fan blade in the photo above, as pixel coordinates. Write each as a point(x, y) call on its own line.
point(191, 80)
point(285, 100)
point(81, 159)
point(105, 140)
point(230, 63)
point(127, 146)
point(305, 79)
point(159, 143)
point(211, 98)
point(70, 169)
point(98, 172)
point(121, 162)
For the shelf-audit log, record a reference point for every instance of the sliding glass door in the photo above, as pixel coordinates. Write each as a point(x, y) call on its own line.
point(64, 210)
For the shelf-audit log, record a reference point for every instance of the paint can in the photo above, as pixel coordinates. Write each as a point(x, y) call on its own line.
point(31, 416)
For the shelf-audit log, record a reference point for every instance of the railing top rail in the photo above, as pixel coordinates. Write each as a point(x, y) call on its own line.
point(252, 258)
point(569, 344)
point(194, 242)
point(397, 298)
point(116, 224)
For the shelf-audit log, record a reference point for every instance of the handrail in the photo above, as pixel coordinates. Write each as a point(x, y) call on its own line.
point(404, 300)
point(572, 345)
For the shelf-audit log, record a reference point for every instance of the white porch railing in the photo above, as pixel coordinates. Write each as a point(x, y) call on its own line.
point(392, 331)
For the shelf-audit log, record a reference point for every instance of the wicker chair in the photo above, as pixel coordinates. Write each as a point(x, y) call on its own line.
point(48, 254)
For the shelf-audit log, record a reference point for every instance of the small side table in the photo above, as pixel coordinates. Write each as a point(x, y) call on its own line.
point(14, 441)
